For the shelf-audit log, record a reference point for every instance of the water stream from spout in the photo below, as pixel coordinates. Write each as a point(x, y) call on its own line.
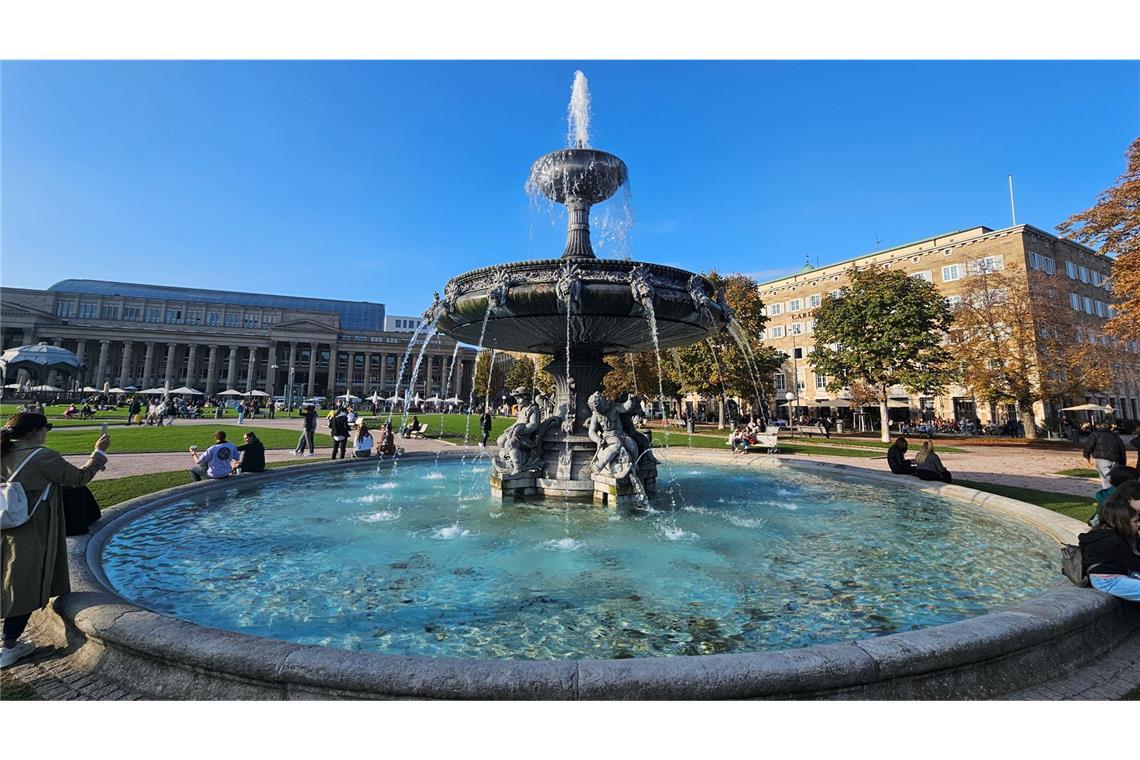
point(578, 113)
point(651, 316)
point(720, 376)
point(403, 365)
point(415, 375)
point(443, 405)
point(737, 333)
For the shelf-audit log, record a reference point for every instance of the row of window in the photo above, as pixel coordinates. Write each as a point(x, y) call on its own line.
point(1085, 275)
point(1091, 306)
point(171, 315)
point(780, 383)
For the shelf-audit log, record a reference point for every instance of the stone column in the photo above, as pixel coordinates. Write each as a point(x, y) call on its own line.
point(251, 369)
point(383, 370)
point(104, 356)
point(367, 375)
point(270, 373)
point(191, 361)
point(290, 371)
point(211, 370)
point(148, 365)
point(312, 382)
point(349, 371)
point(81, 350)
point(168, 379)
point(332, 371)
point(125, 364)
point(231, 371)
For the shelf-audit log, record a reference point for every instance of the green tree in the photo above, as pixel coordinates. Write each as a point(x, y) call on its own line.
point(522, 374)
point(489, 392)
point(884, 329)
point(637, 373)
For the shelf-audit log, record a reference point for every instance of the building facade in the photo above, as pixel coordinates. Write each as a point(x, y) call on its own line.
point(158, 336)
point(947, 261)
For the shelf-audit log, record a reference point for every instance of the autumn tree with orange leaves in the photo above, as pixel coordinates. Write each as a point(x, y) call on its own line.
point(1113, 226)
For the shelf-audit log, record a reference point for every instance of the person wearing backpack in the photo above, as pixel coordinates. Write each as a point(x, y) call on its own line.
point(33, 555)
point(1111, 553)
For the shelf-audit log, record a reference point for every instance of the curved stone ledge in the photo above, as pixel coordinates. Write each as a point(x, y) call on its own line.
point(986, 656)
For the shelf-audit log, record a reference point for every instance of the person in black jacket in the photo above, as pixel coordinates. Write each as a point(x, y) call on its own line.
point(252, 454)
point(896, 458)
point(1110, 553)
point(338, 427)
point(485, 424)
point(1104, 450)
point(309, 430)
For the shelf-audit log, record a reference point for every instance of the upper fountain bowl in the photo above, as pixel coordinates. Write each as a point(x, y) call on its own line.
point(585, 173)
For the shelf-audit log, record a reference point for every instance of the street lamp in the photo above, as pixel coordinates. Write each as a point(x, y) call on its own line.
point(272, 389)
point(289, 388)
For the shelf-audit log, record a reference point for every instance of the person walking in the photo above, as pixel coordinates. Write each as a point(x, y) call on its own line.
point(338, 426)
point(485, 424)
point(33, 556)
point(241, 412)
point(1104, 450)
point(133, 411)
point(308, 430)
point(218, 461)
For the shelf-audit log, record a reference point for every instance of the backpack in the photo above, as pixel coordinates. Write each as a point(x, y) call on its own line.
point(14, 510)
point(1073, 565)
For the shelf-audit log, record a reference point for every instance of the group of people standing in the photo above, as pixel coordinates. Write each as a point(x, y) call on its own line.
point(344, 427)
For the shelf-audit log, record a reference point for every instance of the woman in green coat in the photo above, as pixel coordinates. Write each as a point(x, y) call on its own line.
point(33, 556)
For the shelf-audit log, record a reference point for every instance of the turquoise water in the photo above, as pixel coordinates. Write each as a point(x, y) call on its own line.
point(419, 561)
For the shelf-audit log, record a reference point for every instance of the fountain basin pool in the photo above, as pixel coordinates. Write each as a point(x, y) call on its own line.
point(417, 560)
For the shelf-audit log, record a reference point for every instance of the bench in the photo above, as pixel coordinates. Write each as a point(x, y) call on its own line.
point(770, 442)
point(421, 433)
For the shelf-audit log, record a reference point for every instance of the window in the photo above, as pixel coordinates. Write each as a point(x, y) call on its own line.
point(107, 311)
point(213, 318)
point(249, 320)
point(776, 332)
point(1100, 310)
point(951, 273)
point(809, 325)
point(1042, 263)
point(777, 309)
point(928, 276)
point(152, 314)
point(88, 310)
point(1095, 276)
point(1084, 273)
point(779, 382)
point(814, 300)
point(173, 316)
point(232, 319)
point(132, 313)
point(836, 294)
point(1086, 305)
point(1070, 270)
point(63, 309)
point(1075, 301)
point(194, 317)
point(989, 264)
point(796, 304)
point(953, 301)
point(797, 328)
point(801, 380)
point(797, 353)
point(820, 382)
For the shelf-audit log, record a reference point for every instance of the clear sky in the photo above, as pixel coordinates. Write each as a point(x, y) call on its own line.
point(380, 180)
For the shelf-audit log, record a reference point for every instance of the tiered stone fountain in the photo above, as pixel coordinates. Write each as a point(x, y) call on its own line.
point(577, 309)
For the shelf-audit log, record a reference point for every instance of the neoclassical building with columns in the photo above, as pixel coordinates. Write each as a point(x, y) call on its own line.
point(155, 335)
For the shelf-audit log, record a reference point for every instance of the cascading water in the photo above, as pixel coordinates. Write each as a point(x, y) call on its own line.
point(737, 333)
point(415, 375)
point(404, 364)
point(720, 376)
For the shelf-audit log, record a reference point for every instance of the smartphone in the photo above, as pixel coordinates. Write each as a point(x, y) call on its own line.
point(103, 428)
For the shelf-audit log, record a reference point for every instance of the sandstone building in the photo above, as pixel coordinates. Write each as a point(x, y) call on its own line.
point(946, 261)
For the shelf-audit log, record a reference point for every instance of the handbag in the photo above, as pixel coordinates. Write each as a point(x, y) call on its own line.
point(14, 510)
point(1073, 566)
point(80, 510)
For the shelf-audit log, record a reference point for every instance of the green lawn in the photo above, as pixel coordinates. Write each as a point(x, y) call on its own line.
point(54, 411)
point(1080, 472)
point(137, 440)
point(1078, 507)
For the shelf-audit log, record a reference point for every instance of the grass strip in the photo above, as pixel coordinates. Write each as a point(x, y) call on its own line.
point(1080, 472)
point(1077, 507)
point(172, 438)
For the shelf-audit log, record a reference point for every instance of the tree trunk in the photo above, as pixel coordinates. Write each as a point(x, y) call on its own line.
point(720, 413)
point(885, 434)
point(1030, 421)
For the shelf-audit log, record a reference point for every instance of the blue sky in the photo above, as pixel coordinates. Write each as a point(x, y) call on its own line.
point(380, 180)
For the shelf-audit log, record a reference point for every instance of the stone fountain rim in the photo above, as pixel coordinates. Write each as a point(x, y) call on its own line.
point(983, 656)
point(556, 264)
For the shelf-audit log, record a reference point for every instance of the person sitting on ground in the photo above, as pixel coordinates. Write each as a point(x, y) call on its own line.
point(86, 412)
point(362, 442)
point(252, 454)
point(896, 457)
point(71, 411)
point(217, 462)
point(927, 465)
point(1110, 552)
point(1104, 450)
point(387, 445)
